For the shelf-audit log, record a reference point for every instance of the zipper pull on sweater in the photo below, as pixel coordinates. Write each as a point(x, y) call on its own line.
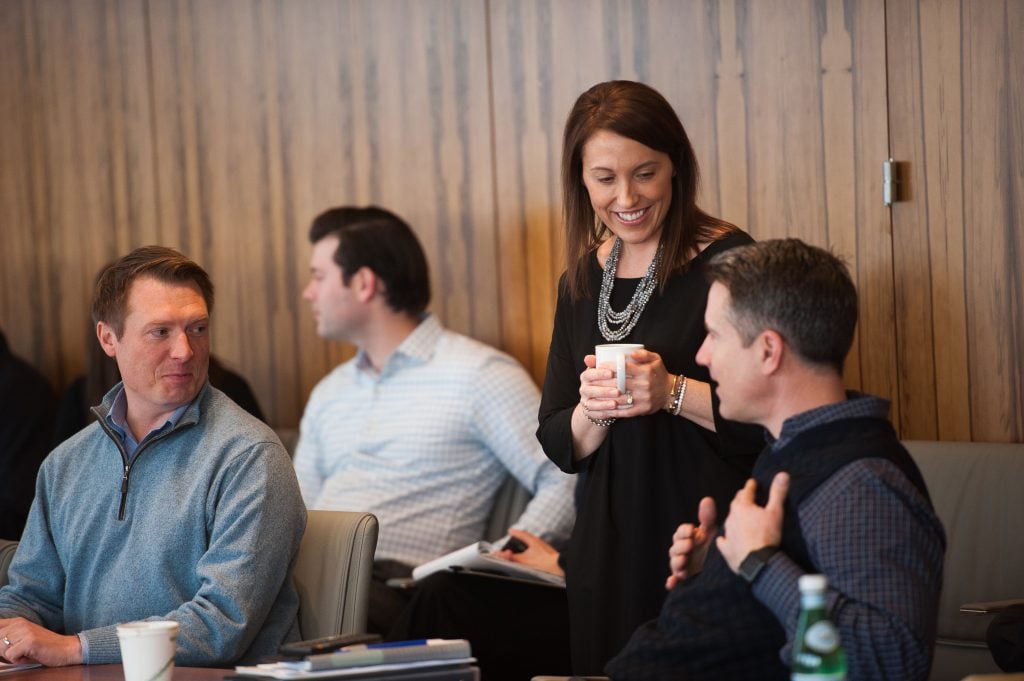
point(124, 494)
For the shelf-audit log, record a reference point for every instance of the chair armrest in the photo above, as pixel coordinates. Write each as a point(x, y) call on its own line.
point(7, 550)
point(987, 607)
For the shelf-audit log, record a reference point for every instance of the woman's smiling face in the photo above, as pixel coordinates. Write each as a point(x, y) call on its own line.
point(630, 186)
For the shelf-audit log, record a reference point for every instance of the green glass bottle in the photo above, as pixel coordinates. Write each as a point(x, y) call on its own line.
point(817, 651)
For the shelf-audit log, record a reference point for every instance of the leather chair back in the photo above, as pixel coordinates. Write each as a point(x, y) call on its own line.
point(7, 549)
point(976, 490)
point(333, 572)
point(509, 504)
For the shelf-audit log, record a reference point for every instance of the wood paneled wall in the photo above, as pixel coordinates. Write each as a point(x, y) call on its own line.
point(734, 71)
point(223, 128)
point(956, 84)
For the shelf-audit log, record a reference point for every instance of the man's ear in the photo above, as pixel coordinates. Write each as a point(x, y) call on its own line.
point(107, 337)
point(772, 349)
point(365, 284)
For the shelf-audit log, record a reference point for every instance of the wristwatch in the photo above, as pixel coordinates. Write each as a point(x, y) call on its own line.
point(755, 561)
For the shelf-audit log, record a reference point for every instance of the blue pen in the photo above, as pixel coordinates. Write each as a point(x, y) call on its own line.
point(389, 644)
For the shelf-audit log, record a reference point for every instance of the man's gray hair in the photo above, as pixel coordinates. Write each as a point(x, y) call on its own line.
point(802, 292)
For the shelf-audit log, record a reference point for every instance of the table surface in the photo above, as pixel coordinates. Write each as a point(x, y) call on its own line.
point(107, 672)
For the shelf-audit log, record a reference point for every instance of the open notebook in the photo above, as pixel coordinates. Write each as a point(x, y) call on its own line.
point(478, 558)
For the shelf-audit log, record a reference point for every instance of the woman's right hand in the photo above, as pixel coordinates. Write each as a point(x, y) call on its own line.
point(597, 408)
point(599, 394)
point(538, 553)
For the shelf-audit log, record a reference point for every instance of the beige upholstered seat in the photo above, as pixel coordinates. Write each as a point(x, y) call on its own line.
point(334, 567)
point(333, 571)
point(7, 549)
point(975, 487)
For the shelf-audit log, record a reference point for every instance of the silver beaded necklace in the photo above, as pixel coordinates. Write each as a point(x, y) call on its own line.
point(627, 318)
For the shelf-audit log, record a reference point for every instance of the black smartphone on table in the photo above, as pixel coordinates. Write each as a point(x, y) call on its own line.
point(316, 646)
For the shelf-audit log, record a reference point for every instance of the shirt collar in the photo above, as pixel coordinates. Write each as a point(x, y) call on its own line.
point(417, 348)
point(117, 417)
point(856, 405)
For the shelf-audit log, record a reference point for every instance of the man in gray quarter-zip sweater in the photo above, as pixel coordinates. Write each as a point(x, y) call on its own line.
point(176, 504)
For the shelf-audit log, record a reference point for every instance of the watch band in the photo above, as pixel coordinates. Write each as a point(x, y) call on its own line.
point(755, 561)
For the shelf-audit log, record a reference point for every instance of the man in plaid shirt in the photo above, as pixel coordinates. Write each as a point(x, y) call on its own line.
point(833, 492)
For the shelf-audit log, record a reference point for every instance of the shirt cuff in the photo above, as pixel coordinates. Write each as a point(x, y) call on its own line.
point(777, 588)
point(100, 646)
point(84, 642)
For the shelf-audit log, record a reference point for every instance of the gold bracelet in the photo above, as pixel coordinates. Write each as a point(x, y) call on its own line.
point(671, 395)
point(676, 396)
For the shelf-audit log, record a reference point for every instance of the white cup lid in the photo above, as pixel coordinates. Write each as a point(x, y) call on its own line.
point(147, 628)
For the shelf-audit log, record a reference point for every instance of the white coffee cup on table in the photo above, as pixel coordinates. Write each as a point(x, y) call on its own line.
point(617, 354)
point(147, 649)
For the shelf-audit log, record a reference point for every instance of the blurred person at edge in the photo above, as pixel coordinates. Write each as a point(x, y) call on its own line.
point(26, 415)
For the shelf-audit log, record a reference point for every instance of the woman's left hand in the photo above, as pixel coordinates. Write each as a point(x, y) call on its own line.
point(648, 382)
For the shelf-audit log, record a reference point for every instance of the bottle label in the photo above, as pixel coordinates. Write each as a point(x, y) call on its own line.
point(806, 676)
point(822, 637)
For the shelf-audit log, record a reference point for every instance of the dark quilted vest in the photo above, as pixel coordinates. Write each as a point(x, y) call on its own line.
point(712, 627)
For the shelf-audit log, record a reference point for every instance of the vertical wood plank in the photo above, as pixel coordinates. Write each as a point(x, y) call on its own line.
point(943, 162)
point(784, 121)
point(839, 158)
point(730, 126)
point(78, 179)
point(910, 220)
point(993, 101)
point(866, 222)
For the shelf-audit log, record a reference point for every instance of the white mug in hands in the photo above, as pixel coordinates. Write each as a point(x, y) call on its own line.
point(617, 354)
point(147, 649)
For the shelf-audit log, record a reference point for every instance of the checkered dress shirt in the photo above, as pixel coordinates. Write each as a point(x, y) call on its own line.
point(884, 570)
point(425, 443)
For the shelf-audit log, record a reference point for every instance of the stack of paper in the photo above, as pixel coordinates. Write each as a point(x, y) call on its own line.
point(422, 660)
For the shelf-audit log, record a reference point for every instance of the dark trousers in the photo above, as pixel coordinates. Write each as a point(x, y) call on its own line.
point(517, 630)
point(1005, 637)
point(386, 602)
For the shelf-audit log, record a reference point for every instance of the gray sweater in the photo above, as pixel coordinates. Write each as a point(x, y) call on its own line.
point(212, 521)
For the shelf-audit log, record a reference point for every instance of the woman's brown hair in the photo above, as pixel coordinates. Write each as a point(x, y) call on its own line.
point(639, 112)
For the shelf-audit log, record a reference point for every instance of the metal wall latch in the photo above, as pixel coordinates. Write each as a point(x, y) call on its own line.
point(890, 182)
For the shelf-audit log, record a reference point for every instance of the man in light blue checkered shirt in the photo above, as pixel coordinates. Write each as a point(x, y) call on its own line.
point(423, 425)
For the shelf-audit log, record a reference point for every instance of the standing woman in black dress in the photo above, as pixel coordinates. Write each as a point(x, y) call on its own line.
point(636, 244)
